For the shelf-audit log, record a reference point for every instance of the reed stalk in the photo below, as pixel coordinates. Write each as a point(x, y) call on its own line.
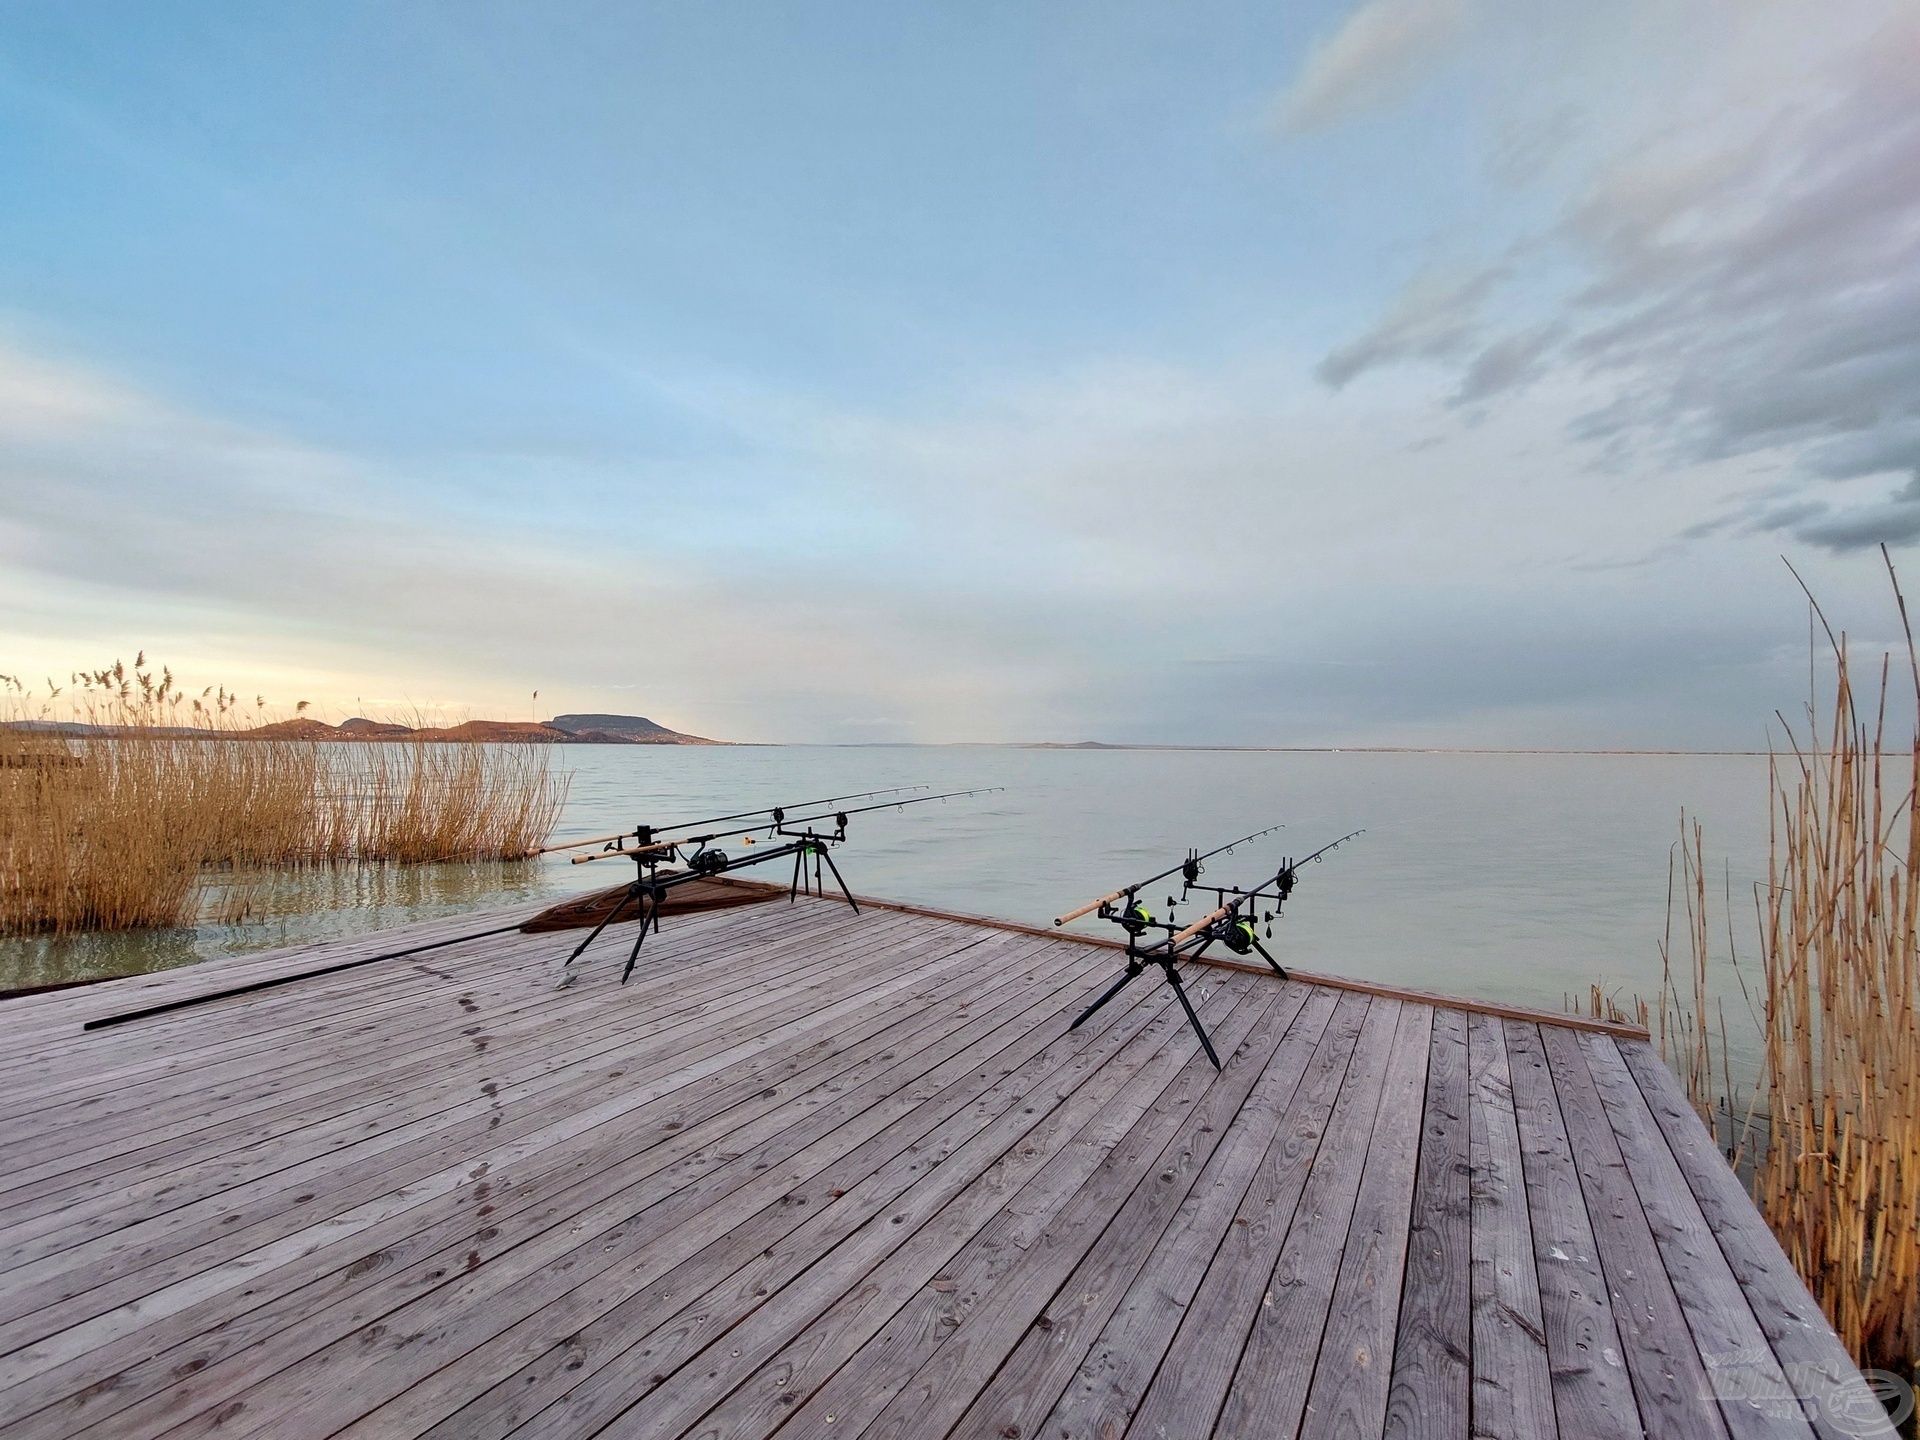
point(120, 830)
point(1829, 1128)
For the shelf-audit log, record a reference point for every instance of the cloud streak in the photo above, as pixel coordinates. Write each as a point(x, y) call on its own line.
point(1748, 289)
point(1380, 52)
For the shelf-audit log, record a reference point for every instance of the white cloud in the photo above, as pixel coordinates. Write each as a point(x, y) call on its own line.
point(1380, 52)
point(247, 558)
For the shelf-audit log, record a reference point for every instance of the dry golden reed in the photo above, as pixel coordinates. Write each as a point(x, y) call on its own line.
point(1831, 1127)
point(119, 830)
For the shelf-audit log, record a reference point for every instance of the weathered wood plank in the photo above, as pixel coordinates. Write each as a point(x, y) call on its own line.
point(1669, 1380)
point(1045, 1359)
point(841, 1175)
point(1429, 1395)
point(1354, 1368)
point(354, 1082)
point(1512, 1370)
point(654, 1325)
point(1819, 1371)
point(379, 1141)
point(1105, 1390)
point(356, 1375)
point(548, 1295)
point(713, 1123)
point(1592, 1394)
point(790, 1346)
point(1271, 1275)
point(931, 1355)
point(511, 1006)
point(57, 1015)
point(370, 1186)
point(229, 1031)
point(1744, 1375)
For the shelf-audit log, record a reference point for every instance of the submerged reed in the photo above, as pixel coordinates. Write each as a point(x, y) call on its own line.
point(119, 830)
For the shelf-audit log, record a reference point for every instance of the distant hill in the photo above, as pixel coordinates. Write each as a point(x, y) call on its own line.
point(630, 729)
point(565, 730)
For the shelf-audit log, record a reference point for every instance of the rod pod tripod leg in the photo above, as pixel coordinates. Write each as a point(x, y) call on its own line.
point(1193, 1017)
point(1136, 967)
point(838, 878)
point(649, 919)
point(633, 892)
point(1278, 968)
point(1133, 972)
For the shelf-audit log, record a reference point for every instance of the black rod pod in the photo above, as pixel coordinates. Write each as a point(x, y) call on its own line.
point(803, 843)
point(1232, 922)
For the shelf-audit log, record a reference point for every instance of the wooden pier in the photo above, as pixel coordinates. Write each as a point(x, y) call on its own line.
point(819, 1174)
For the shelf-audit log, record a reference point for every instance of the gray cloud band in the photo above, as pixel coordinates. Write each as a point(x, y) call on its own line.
point(1744, 295)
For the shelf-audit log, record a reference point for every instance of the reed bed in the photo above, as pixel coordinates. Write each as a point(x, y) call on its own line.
point(121, 831)
point(423, 801)
point(1840, 1178)
point(1829, 1129)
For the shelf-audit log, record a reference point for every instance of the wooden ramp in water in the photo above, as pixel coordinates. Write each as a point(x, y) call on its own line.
point(816, 1174)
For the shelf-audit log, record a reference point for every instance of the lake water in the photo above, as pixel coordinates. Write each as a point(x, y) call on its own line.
point(1522, 878)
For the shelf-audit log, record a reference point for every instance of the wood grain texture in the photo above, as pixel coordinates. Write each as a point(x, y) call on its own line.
point(1354, 1369)
point(1512, 1370)
point(1669, 1374)
point(1820, 1373)
point(1429, 1393)
point(1592, 1394)
point(1744, 1375)
point(833, 1175)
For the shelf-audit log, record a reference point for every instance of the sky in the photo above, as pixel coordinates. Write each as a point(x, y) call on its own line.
point(1450, 372)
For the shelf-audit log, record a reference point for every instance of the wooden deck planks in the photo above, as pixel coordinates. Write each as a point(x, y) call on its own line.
point(705, 1125)
point(1592, 1395)
point(405, 1164)
point(824, 1175)
point(378, 1084)
point(1428, 1395)
point(1819, 1370)
point(1132, 1266)
point(1669, 1375)
point(1354, 1368)
point(1744, 1375)
point(1512, 1368)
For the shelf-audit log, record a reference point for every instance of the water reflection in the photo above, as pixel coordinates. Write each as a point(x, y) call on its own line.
point(264, 910)
point(1519, 878)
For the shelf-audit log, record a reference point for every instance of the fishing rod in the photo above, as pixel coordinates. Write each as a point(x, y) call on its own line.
point(643, 834)
point(665, 848)
point(648, 889)
point(1234, 921)
point(1189, 868)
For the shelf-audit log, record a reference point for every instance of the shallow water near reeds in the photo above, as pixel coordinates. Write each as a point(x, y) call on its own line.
point(1522, 878)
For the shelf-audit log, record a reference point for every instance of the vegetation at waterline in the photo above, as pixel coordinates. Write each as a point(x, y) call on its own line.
point(121, 830)
point(1830, 1130)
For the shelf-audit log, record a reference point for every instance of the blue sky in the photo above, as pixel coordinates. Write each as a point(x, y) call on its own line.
point(1416, 370)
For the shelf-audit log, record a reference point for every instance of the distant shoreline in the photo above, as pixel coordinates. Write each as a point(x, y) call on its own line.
point(1271, 749)
point(561, 730)
point(551, 733)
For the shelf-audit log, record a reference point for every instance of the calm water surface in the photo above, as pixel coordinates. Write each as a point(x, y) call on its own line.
point(1516, 877)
